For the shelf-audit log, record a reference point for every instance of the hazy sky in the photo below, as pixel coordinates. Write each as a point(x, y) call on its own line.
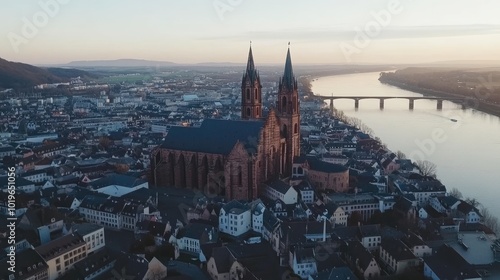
point(191, 31)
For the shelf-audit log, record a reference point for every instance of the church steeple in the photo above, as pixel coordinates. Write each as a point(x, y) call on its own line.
point(288, 80)
point(288, 112)
point(250, 63)
point(251, 106)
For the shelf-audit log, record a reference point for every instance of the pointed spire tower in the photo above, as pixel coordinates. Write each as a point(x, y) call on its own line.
point(288, 112)
point(251, 91)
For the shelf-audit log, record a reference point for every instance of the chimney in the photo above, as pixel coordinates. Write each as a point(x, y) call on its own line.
point(324, 229)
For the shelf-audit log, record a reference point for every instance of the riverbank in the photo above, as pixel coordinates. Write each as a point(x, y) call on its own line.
point(472, 103)
point(419, 126)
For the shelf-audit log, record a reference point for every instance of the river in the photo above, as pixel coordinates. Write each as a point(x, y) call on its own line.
point(466, 152)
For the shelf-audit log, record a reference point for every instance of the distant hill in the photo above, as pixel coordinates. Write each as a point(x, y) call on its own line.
point(68, 73)
point(465, 63)
point(120, 63)
point(18, 75)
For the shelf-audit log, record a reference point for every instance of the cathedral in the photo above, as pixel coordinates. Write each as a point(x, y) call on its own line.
point(233, 158)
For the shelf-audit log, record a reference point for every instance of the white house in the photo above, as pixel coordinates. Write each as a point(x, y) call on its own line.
point(306, 191)
point(417, 245)
point(303, 261)
point(235, 218)
point(193, 235)
point(469, 213)
point(278, 189)
point(257, 208)
point(397, 256)
point(362, 260)
point(370, 237)
point(93, 235)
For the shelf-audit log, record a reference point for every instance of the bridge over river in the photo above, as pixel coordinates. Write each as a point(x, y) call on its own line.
point(411, 100)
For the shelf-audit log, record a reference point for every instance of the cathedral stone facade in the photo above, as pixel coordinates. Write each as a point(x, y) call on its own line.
point(234, 158)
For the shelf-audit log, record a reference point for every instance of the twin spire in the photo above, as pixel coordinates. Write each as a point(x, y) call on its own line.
point(251, 73)
point(288, 80)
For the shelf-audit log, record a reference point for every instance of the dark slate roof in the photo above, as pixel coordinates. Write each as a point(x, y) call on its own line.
point(411, 240)
point(235, 207)
point(448, 201)
point(466, 208)
point(214, 136)
point(369, 230)
point(85, 228)
point(279, 186)
point(397, 249)
point(305, 255)
point(222, 259)
point(60, 246)
point(270, 221)
point(102, 204)
point(359, 254)
point(199, 232)
point(28, 258)
point(243, 251)
point(38, 217)
point(130, 265)
point(446, 263)
point(20, 182)
point(296, 231)
point(338, 273)
point(154, 228)
point(323, 166)
point(94, 262)
point(346, 233)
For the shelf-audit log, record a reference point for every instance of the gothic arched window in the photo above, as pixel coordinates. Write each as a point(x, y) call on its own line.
point(248, 112)
point(240, 177)
point(248, 93)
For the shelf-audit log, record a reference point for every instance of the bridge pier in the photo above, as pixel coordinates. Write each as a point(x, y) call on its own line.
point(331, 106)
point(412, 104)
point(356, 103)
point(439, 104)
point(381, 103)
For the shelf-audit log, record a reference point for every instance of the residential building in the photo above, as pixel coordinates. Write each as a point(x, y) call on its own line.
point(235, 218)
point(62, 253)
point(92, 234)
point(277, 189)
point(397, 257)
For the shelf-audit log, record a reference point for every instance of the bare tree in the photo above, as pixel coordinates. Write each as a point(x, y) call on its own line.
point(456, 193)
point(426, 168)
point(490, 220)
point(400, 155)
point(473, 201)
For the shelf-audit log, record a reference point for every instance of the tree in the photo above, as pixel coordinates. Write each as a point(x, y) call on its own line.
point(400, 155)
point(121, 168)
point(472, 201)
point(105, 142)
point(355, 219)
point(426, 168)
point(455, 193)
point(490, 221)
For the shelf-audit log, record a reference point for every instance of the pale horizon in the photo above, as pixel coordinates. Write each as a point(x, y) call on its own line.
point(220, 31)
